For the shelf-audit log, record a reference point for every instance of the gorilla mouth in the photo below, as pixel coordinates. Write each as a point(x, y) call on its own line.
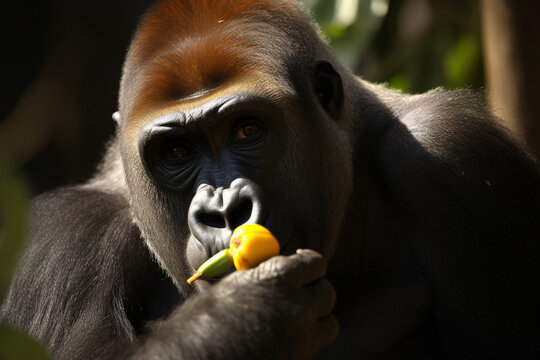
point(206, 251)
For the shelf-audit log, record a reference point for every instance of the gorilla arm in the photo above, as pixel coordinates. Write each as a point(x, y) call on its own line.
point(87, 287)
point(77, 286)
point(472, 198)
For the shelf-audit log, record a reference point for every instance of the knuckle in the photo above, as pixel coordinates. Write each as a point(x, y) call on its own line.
point(311, 257)
point(328, 331)
point(308, 254)
point(324, 292)
point(330, 290)
point(275, 268)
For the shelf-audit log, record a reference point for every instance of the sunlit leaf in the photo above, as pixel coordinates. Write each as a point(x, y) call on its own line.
point(348, 35)
point(400, 82)
point(15, 345)
point(461, 59)
point(334, 30)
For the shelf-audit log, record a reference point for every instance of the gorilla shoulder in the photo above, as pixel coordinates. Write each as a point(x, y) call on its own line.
point(449, 129)
point(447, 145)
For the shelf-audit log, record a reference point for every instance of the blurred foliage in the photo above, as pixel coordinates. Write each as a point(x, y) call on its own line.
point(13, 217)
point(348, 25)
point(14, 345)
point(413, 45)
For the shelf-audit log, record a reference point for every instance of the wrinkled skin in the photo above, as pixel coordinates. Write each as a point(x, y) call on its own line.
point(419, 212)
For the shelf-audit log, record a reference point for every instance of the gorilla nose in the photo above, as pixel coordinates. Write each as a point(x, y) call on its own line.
point(239, 215)
point(215, 213)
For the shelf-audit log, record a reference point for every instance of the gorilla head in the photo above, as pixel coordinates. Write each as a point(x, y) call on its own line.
point(227, 119)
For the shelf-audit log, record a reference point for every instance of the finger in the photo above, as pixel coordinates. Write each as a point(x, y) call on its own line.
point(307, 266)
point(299, 269)
point(328, 331)
point(322, 298)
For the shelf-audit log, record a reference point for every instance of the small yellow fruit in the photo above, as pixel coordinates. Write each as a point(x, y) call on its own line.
point(252, 244)
point(249, 246)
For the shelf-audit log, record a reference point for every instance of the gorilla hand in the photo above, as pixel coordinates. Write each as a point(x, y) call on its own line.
point(279, 309)
point(296, 303)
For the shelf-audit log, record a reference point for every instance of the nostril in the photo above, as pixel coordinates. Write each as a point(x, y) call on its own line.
point(212, 220)
point(240, 214)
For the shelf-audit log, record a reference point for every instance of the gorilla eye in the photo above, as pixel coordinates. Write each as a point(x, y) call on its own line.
point(176, 151)
point(247, 130)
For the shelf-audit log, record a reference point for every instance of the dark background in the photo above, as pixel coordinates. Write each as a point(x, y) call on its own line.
point(61, 69)
point(62, 60)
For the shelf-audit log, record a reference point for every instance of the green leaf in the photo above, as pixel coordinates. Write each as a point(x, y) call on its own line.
point(400, 82)
point(16, 345)
point(334, 29)
point(13, 224)
point(460, 61)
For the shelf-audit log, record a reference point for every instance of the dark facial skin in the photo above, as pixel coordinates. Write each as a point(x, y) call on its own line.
point(408, 224)
point(220, 152)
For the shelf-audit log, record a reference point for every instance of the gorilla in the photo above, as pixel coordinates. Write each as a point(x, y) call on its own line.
point(409, 225)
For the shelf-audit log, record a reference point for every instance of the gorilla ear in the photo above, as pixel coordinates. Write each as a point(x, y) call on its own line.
point(116, 117)
point(328, 88)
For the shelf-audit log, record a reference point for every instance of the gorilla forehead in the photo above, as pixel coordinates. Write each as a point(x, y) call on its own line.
point(255, 86)
point(185, 47)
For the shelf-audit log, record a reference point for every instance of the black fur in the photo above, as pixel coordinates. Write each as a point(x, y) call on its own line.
point(424, 211)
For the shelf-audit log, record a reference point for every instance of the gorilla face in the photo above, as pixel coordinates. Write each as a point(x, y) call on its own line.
point(250, 144)
point(219, 157)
